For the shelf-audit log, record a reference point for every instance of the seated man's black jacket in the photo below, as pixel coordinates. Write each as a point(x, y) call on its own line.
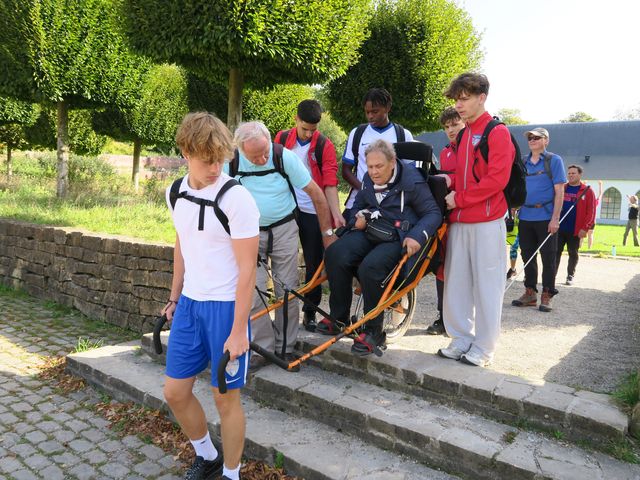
point(408, 199)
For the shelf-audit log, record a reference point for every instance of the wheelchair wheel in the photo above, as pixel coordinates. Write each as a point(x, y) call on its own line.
point(397, 317)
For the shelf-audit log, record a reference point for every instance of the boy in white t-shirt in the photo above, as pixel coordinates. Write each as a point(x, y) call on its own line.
point(211, 293)
point(377, 105)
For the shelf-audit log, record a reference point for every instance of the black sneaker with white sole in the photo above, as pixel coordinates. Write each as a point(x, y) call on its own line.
point(205, 469)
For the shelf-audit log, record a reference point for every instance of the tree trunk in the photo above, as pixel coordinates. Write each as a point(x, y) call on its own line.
point(9, 166)
point(234, 112)
point(62, 125)
point(135, 174)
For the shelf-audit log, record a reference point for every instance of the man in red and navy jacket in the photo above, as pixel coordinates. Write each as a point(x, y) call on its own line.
point(319, 156)
point(476, 260)
point(576, 221)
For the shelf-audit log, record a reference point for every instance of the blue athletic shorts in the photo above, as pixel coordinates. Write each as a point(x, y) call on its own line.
point(197, 336)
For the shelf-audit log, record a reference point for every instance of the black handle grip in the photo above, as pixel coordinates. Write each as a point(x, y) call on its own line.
point(222, 366)
point(157, 344)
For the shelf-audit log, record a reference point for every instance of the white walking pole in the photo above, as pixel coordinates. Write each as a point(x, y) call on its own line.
point(544, 241)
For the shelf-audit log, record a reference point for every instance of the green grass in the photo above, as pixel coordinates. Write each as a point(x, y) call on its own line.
point(628, 391)
point(606, 236)
point(104, 202)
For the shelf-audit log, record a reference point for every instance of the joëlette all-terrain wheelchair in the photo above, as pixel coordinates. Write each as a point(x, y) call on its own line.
point(398, 301)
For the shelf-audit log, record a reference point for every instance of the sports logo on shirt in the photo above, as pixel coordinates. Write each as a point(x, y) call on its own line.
point(475, 139)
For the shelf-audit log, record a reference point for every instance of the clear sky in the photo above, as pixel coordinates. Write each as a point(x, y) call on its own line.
point(551, 58)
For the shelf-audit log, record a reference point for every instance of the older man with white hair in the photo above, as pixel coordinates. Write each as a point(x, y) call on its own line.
point(270, 172)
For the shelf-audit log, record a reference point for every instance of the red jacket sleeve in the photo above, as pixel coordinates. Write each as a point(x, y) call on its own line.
point(497, 170)
point(329, 165)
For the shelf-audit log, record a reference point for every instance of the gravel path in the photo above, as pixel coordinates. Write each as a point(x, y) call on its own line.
point(590, 340)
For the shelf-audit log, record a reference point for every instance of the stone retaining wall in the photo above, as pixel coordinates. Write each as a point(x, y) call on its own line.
point(122, 281)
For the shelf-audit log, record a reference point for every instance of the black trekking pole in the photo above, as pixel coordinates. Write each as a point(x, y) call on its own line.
point(545, 240)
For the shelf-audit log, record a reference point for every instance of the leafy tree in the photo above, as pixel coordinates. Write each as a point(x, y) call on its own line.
point(275, 106)
point(83, 140)
point(415, 48)
point(152, 117)
point(578, 117)
point(255, 42)
point(14, 116)
point(69, 54)
point(511, 116)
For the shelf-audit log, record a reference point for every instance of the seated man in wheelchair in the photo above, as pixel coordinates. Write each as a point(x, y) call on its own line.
point(394, 209)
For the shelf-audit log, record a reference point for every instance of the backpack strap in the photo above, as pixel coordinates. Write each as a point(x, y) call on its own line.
point(400, 136)
point(547, 164)
point(174, 195)
point(234, 163)
point(355, 144)
point(319, 151)
point(222, 217)
point(174, 192)
point(283, 137)
point(279, 167)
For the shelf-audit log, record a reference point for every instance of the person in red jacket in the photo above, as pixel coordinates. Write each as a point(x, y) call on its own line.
point(579, 220)
point(475, 262)
point(303, 140)
point(452, 124)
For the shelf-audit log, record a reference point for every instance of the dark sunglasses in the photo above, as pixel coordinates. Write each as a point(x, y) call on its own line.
point(531, 138)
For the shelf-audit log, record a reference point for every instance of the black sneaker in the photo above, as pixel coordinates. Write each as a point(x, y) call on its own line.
point(309, 321)
point(437, 328)
point(205, 469)
point(510, 273)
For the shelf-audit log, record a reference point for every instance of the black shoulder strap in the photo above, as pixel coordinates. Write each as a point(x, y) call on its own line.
point(283, 137)
point(319, 150)
point(355, 144)
point(400, 136)
point(483, 144)
point(279, 167)
point(222, 217)
point(234, 163)
point(174, 193)
point(547, 164)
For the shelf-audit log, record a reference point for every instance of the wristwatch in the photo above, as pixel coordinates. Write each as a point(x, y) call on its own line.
point(328, 233)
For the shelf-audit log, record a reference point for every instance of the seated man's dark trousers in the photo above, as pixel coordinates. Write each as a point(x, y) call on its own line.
point(532, 234)
point(313, 251)
point(354, 255)
point(573, 244)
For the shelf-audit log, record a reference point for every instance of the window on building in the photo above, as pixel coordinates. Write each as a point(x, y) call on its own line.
point(611, 201)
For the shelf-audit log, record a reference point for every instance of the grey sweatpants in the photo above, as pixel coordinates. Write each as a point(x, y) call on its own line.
point(474, 282)
point(284, 265)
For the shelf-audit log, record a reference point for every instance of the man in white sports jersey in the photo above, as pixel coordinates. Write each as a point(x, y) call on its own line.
point(377, 105)
point(214, 272)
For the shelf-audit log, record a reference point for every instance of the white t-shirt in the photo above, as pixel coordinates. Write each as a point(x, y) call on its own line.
point(370, 135)
point(211, 272)
point(304, 200)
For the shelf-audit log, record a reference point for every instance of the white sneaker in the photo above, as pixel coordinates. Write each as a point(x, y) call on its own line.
point(452, 352)
point(475, 359)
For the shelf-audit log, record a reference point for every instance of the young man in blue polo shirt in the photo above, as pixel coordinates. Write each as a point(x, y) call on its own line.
point(540, 217)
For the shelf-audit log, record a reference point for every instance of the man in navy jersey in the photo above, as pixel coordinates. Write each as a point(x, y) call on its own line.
point(579, 220)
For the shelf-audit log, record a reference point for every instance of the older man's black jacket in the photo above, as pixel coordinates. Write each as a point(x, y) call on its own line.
point(408, 199)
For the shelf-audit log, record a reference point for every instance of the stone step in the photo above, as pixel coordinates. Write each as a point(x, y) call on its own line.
point(442, 437)
point(311, 450)
point(578, 415)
